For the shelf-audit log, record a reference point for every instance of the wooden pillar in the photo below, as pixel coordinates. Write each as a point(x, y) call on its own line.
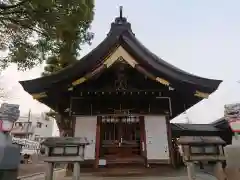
point(143, 139)
point(170, 144)
point(97, 141)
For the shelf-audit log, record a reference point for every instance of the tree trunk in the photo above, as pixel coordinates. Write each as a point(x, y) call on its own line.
point(69, 169)
point(64, 133)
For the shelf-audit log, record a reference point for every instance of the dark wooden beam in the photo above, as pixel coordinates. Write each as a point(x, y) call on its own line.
point(143, 139)
point(170, 144)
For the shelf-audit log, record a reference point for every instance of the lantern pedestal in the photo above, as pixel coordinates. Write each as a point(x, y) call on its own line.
point(76, 171)
point(232, 153)
point(49, 171)
point(233, 164)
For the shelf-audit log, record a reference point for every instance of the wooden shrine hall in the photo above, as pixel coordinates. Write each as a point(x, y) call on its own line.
point(121, 97)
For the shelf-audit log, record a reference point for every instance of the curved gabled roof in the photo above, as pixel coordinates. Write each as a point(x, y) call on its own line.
point(120, 34)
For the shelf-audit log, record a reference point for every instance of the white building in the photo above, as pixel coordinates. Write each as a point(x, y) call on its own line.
point(33, 126)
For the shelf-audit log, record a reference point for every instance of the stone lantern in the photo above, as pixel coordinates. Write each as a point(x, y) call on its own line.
point(63, 150)
point(9, 152)
point(201, 149)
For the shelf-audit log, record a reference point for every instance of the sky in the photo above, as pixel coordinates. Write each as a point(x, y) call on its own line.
point(198, 36)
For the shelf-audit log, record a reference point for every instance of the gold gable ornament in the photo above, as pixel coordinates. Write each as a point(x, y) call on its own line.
point(114, 56)
point(79, 81)
point(119, 54)
point(39, 95)
point(70, 88)
point(201, 94)
point(162, 81)
point(87, 76)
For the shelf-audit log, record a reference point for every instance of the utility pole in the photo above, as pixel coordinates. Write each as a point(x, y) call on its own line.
point(28, 123)
point(186, 116)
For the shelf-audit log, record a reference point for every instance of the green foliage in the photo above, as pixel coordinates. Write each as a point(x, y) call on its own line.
point(35, 30)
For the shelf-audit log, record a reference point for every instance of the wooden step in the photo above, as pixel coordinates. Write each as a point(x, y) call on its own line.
point(119, 170)
point(125, 161)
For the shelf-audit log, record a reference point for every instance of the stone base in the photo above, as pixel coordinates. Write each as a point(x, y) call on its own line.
point(232, 173)
point(219, 172)
point(232, 153)
point(8, 175)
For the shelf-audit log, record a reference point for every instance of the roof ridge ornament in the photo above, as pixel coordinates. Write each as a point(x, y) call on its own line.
point(120, 24)
point(121, 12)
point(121, 19)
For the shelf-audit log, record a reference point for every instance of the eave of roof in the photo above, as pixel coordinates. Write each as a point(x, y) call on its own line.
point(194, 127)
point(120, 33)
point(219, 121)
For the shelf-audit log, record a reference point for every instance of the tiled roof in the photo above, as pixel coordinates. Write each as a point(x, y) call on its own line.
point(194, 127)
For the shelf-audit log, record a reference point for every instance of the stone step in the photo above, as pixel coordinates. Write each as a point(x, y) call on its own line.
point(136, 171)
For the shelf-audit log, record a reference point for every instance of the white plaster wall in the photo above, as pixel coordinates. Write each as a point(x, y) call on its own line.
point(156, 138)
point(86, 127)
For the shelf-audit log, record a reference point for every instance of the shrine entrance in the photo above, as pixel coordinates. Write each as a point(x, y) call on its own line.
point(121, 139)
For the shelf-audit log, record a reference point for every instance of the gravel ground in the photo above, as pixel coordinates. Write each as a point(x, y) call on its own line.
point(28, 169)
point(60, 176)
point(162, 173)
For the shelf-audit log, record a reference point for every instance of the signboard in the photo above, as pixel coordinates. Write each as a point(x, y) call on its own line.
point(102, 162)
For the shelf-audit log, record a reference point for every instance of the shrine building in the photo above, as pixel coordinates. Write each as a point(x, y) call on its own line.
point(121, 97)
